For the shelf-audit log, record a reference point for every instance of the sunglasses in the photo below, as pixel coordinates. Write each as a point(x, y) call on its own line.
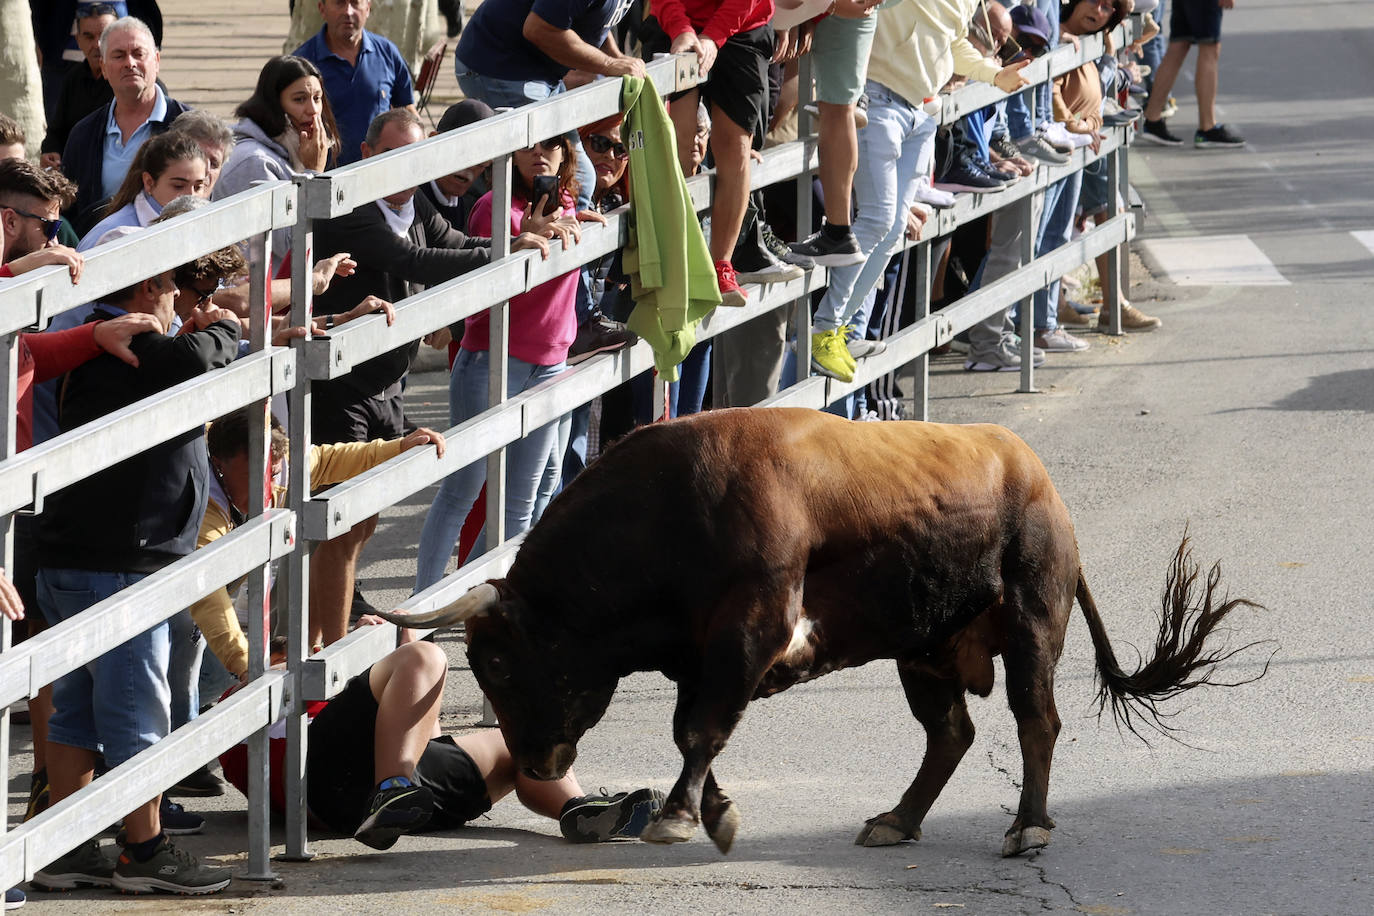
point(554, 144)
point(601, 145)
point(51, 227)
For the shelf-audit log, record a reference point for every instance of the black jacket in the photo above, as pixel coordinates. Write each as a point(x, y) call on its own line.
point(144, 512)
point(53, 21)
point(83, 160)
point(391, 268)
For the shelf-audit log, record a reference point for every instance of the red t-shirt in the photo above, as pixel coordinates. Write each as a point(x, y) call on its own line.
point(716, 19)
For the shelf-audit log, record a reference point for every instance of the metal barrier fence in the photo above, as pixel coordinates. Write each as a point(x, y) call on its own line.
point(272, 534)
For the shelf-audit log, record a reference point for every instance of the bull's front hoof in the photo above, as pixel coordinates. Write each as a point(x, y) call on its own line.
point(669, 830)
point(881, 831)
point(722, 831)
point(1019, 841)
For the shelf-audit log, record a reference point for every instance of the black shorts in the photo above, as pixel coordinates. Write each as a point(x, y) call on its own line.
point(340, 413)
point(738, 82)
point(339, 764)
point(1197, 21)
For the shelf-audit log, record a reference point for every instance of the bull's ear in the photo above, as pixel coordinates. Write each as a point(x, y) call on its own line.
point(477, 602)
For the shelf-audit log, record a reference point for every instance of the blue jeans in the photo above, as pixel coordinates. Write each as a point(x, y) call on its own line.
point(187, 648)
point(688, 393)
point(119, 703)
point(499, 93)
point(531, 463)
point(1153, 51)
point(894, 151)
point(1056, 225)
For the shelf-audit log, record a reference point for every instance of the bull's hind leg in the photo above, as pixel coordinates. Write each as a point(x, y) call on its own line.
point(938, 704)
point(1030, 693)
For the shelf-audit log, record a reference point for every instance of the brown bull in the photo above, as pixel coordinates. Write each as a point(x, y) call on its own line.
point(740, 552)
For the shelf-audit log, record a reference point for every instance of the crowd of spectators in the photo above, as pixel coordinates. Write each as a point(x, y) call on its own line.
point(122, 154)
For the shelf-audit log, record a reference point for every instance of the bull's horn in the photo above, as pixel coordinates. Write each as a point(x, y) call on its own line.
point(476, 603)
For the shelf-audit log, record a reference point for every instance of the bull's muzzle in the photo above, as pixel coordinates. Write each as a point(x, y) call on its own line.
point(553, 765)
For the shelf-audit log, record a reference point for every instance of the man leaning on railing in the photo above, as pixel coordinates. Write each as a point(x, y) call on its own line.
point(100, 536)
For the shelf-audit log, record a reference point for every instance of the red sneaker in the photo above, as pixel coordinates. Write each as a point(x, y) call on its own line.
point(730, 293)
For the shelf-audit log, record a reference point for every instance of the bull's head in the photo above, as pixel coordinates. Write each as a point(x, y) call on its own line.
point(547, 685)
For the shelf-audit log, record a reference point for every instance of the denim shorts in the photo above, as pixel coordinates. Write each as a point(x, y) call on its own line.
point(1096, 189)
point(120, 703)
point(1197, 21)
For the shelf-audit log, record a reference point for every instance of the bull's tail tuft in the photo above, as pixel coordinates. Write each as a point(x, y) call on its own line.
point(1181, 661)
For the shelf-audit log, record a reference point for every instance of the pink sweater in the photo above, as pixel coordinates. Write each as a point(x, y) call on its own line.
point(543, 321)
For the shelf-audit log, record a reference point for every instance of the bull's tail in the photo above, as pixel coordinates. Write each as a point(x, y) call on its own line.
point(1181, 661)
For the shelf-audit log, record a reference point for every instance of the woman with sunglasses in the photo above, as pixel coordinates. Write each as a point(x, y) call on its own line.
point(543, 323)
point(164, 168)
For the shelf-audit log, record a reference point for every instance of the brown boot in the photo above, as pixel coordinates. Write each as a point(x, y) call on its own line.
point(1070, 318)
point(1133, 319)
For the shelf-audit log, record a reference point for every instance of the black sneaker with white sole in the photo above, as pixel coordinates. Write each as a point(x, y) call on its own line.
point(177, 821)
point(1218, 136)
point(1158, 132)
point(169, 869)
point(756, 264)
point(598, 818)
point(830, 252)
point(392, 812)
point(782, 252)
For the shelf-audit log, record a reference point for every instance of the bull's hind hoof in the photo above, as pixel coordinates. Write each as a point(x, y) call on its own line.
point(669, 830)
point(722, 830)
point(1019, 841)
point(880, 831)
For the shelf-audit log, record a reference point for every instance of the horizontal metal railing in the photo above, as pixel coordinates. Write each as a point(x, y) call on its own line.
point(32, 301)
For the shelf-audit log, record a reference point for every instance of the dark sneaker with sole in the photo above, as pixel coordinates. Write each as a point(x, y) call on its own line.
point(177, 821)
point(754, 263)
point(14, 898)
point(172, 870)
point(392, 812)
point(1158, 132)
point(599, 334)
point(598, 818)
point(1220, 136)
point(782, 251)
point(85, 866)
point(829, 252)
point(201, 783)
point(38, 795)
point(967, 175)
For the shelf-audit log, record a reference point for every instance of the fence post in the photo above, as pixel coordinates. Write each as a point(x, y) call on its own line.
point(1029, 225)
point(297, 585)
point(801, 308)
point(9, 391)
point(1111, 284)
point(259, 589)
point(920, 367)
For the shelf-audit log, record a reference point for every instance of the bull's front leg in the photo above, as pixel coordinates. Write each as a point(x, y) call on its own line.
point(708, 710)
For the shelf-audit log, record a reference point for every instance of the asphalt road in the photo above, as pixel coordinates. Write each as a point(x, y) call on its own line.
point(1245, 419)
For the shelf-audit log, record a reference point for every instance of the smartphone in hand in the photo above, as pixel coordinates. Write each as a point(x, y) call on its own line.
point(546, 188)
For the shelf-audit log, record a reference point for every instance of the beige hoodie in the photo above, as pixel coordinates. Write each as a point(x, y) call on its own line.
point(919, 44)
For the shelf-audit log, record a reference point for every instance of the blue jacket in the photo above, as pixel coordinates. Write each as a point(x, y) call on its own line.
point(84, 158)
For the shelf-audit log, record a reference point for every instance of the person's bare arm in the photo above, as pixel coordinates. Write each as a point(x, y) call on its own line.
point(567, 48)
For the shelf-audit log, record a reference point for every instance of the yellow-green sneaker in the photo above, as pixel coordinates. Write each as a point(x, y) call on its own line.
point(830, 356)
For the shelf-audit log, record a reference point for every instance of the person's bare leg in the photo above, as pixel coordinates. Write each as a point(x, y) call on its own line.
point(333, 568)
point(1205, 82)
point(493, 760)
point(839, 154)
point(1164, 78)
point(40, 710)
point(409, 688)
point(683, 113)
point(71, 769)
point(730, 145)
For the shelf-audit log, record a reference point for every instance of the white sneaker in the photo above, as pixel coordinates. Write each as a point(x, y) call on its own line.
point(1059, 135)
point(934, 197)
point(1059, 341)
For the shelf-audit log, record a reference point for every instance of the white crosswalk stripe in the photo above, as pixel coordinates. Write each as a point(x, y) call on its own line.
point(1217, 260)
point(1365, 237)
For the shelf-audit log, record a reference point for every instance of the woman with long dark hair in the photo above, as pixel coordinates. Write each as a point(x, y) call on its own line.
point(285, 128)
point(164, 168)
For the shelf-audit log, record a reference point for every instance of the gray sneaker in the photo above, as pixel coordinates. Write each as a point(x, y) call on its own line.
point(85, 866)
point(170, 869)
point(859, 347)
point(1005, 358)
point(1038, 147)
point(1060, 341)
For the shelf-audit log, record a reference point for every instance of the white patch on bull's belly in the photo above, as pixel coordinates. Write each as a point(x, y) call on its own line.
point(798, 643)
